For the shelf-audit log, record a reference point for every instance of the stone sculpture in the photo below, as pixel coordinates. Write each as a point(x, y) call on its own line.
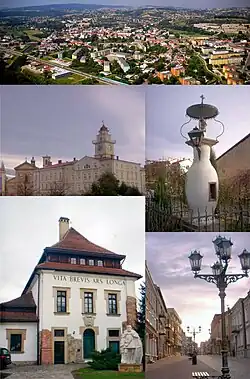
point(131, 347)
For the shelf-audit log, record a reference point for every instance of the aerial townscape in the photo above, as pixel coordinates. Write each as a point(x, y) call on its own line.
point(111, 45)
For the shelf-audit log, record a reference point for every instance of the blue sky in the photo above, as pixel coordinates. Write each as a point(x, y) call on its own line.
point(176, 3)
point(195, 300)
point(63, 121)
point(166, 112)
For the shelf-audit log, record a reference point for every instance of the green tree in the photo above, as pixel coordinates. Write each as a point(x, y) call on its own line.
point(106, 185)
point(141, 318)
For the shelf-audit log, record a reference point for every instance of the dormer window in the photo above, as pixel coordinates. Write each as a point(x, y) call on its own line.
point(82, 261)
point(73, 261)
point(99, 263)
point(91, 262)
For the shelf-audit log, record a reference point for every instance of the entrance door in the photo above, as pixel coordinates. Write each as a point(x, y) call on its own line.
point(59, 352)
point(114, 346)
point(88, 343)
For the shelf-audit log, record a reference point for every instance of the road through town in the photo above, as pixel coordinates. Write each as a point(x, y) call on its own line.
point(182, 368)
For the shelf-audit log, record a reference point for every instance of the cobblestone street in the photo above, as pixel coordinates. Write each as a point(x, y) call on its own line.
point(40, 372)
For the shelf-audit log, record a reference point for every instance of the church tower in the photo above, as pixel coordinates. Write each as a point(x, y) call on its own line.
point(104, 145)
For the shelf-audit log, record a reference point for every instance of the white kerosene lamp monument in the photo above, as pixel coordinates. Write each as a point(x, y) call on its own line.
point(202, 184)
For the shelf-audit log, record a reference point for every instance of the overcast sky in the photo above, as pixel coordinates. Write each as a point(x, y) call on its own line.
point(166, 113)
point(63, 121)
point(175, 3)
point(31, 224)
point(195, 300)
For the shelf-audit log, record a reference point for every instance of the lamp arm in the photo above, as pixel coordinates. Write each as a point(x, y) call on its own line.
point(232, 278)
point(182, 128)
point(208, 278)
point(223, 128)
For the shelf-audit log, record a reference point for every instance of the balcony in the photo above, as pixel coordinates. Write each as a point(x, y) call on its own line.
point(236, 329)
point(162, 332)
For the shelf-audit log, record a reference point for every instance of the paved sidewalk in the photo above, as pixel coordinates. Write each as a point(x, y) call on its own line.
point(176, 368)
point(40, 372)
point(239, 367)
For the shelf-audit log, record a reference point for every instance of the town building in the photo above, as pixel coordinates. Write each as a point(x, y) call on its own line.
point(240, 337)
point(177, 331)
point(78, 299)
point(235, 160)
point(151, 318)
point(161, 317)
point(77, 176)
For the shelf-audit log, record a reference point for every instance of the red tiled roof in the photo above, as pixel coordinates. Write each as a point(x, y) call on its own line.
point(88, 269)
point(73, 240)
point(24, 301)
point(17, 316)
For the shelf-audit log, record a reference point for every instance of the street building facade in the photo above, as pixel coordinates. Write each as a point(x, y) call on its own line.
point(151, 318)
point(78, 299)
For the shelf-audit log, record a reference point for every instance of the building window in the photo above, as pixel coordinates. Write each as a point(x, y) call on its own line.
point(114, 333)
point(88, 302)
point(59, 333)
point(212, 192)
point(82, 261)
point(91, 262)
point(16, 343)
point(112, 303)
point(61, 301)
point(99, 263)
point(73, 261)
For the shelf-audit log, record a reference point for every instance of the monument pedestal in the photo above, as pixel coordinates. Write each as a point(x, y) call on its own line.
point(130, 367)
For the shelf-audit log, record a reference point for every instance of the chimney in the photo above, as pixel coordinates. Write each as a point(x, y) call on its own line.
point(63, 227)
point(59, 161)
point(117, 157)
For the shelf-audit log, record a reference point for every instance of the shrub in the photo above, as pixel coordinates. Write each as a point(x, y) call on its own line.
point(105, 360)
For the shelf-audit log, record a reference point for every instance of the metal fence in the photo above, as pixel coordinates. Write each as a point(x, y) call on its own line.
point(174, 216)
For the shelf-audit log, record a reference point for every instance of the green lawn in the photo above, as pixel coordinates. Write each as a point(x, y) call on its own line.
point(33, 34)
point(87, 373)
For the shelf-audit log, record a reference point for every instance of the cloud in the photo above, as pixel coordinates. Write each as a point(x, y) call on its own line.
point(63, 121)
point(195, 300)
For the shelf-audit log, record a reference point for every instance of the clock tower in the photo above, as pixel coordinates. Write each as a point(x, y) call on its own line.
point(104, 145)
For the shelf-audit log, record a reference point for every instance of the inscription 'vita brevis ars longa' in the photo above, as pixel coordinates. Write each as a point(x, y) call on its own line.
point(84, 279)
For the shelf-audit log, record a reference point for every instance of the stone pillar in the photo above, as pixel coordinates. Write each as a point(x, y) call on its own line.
point(131, 310)
point(46, 347)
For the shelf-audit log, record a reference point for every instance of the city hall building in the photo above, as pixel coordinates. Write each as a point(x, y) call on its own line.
point(78, 299)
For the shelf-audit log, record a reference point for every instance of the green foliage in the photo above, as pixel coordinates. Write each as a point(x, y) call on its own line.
point(108, 185)
point(141, 318)
point(105, 360)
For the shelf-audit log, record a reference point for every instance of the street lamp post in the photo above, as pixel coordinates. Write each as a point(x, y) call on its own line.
point(223, 249)
point(194, 332)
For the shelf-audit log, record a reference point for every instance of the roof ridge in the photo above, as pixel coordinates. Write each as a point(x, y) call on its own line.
point(74, 240)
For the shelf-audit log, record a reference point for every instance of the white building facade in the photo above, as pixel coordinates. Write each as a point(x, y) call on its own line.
point(77, 176)
point(80, 301)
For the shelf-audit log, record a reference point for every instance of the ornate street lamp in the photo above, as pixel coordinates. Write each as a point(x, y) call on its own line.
point(223, 249)
point(194, 332)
